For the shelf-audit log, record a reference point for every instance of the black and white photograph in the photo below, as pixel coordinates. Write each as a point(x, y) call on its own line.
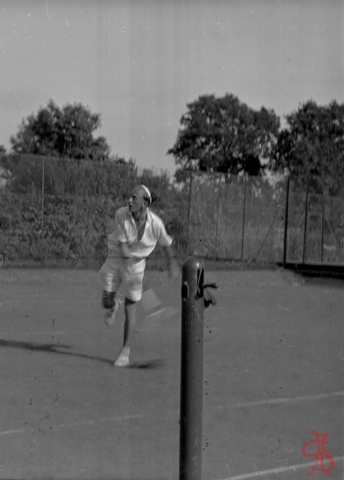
point(171, 239)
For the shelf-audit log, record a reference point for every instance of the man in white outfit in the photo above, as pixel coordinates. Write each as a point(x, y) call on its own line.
point(136, 232)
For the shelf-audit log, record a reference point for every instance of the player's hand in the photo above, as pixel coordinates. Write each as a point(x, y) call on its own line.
point(174, 270)
point(127, 254)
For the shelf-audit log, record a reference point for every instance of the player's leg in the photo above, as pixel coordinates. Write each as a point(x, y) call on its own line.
point(130, 322)
point(108, 300)
point(129, 330)
point(133, 278)
point(111, 303)
point(110, 277)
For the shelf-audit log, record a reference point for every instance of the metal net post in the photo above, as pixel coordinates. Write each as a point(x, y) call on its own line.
point(191, 384)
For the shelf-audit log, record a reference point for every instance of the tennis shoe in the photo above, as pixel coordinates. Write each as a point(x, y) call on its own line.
point(122, 360)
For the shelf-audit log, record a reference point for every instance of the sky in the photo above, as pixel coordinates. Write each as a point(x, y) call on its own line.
point(139, 63)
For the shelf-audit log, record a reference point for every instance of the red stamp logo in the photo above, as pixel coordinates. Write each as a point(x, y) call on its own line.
point(321, 456)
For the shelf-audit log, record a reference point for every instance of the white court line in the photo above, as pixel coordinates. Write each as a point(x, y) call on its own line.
point(140, 415)
point(77, 424)
point(101, 420)
point(247, 476)
point(275, 401)
point(18, 430)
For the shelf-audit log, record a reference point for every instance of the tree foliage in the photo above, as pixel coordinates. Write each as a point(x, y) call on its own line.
point(224, 135)
point(61, 132)
point(311, 147)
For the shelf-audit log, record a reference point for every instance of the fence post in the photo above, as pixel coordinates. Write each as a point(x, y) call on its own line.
point(305, 229)
point(42, 216)
point(10, 198)
point(285, 242)
point(267, 235)
point(322, 230)
point(191, 382)
point(243, 222)
point(217, 218)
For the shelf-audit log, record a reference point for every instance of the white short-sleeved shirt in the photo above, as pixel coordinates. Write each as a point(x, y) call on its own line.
point(125, 231)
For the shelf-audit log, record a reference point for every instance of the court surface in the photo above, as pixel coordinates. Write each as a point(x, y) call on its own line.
point(273, 374)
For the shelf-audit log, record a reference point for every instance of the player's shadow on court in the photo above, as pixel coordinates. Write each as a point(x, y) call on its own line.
point(58, 348)
point(62, 349)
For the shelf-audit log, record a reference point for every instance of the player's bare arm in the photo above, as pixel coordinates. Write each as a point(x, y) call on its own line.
point(172, 263)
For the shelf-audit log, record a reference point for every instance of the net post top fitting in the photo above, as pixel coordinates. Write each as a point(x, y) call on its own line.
point(193, 263)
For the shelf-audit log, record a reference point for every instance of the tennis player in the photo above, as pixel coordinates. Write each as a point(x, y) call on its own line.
point(136, 232)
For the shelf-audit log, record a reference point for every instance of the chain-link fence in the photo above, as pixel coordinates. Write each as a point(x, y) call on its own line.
point(57, 212)
point(315, 226)
point(237, 218)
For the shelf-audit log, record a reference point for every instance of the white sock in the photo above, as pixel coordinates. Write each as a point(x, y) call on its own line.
point(125, 351)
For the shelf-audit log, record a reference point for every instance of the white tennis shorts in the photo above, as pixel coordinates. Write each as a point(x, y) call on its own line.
point(116, 270)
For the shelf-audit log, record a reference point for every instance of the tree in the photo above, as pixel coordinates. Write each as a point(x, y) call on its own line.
point(61, 132)
point(311, 147)
point(224, 135)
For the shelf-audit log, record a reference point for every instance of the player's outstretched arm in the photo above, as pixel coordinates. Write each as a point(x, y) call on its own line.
point(173, 267)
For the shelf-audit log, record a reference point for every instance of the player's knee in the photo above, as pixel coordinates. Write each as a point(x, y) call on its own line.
point(108, 299)
point(129, 302)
